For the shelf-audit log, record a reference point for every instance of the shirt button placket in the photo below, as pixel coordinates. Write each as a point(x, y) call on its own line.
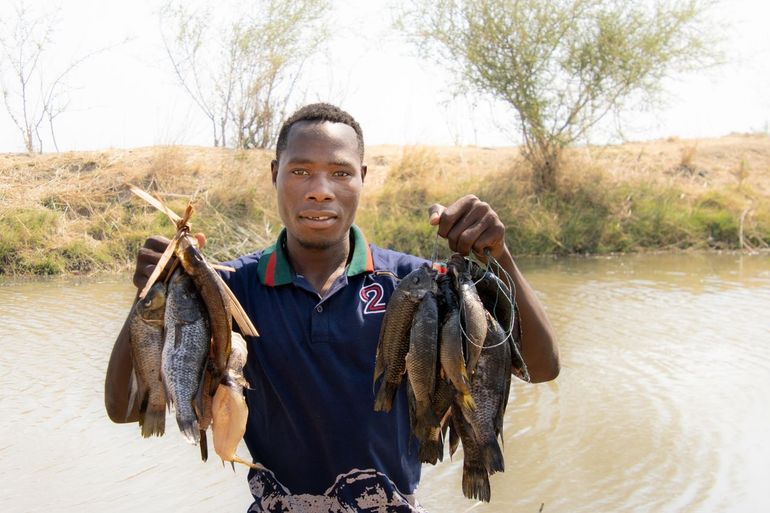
point(319, 308)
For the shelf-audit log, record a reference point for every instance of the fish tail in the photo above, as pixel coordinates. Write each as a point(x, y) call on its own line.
point(153, 422)
point(189, 428)
point(432, 451)
point(476, 483)
point(384, 399)
point(236, 459)
point(204, 445)
point(425, 422)
point(493, 457)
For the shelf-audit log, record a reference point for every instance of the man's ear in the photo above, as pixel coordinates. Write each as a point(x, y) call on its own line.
point(363, 172)
point(274, 170)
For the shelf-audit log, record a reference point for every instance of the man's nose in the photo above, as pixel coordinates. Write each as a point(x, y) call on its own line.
point(320, 188)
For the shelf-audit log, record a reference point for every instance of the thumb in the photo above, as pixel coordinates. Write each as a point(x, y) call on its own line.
point(434, 212)
point(201, 238)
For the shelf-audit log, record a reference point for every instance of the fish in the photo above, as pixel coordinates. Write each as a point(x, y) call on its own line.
point(498, 299)
point(475, 482)
point(393, 344)
point(217, 304)
point(146, 341)
point(471, 312)
point(186, 347)
point(495, 295)
point(490, 387)
point(451, 358)
point(421, 363)
point(229, 409)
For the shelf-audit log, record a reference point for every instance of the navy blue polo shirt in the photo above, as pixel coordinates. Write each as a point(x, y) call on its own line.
point(311, 420)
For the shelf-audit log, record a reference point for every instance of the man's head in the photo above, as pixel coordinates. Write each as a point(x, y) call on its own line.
point(319, 112)
point(318, 175)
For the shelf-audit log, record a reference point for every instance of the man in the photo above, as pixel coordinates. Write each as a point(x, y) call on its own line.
point(317, 298)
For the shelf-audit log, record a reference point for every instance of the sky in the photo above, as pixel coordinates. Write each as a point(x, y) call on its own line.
point(126, 95)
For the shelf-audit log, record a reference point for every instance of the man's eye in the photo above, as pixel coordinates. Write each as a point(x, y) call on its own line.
point(299, 172)
point(342, 173)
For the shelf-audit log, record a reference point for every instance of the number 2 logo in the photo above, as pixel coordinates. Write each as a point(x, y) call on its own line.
point(372, 296)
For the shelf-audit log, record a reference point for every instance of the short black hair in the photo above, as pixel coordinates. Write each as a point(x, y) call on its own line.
point(319, 112)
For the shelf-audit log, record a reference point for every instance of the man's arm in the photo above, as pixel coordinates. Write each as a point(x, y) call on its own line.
point(470, 224)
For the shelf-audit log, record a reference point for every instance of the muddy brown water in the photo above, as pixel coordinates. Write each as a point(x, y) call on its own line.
point(661, 405)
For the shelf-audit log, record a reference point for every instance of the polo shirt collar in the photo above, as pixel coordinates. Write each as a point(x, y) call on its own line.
point(274, 268)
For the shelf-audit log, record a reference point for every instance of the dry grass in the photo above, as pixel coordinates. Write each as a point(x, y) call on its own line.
point(72, 212)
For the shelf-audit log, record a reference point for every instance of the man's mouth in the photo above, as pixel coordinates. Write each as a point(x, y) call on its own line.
point(318, 217)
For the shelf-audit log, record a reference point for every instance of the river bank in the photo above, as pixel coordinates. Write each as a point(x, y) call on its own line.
point(71, 213)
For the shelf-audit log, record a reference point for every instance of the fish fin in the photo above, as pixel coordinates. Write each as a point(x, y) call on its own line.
point(133, 385)
point(468, 402)
point(189, 429)
point(432, 450)
point(493, 457)
point(476, 482)
point(425, 421)
point(204, 446)
point(236, 459)
point(153, 422)
point(384, 399)
point(454, 442)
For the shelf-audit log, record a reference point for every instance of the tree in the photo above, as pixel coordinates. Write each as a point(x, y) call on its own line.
point(34, 90)
point(562, 65)
point(241, 74)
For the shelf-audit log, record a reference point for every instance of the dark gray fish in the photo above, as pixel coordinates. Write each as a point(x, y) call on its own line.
point(490, 386)
point(146, 340)
point(390, 362)
point(213, 295)
point(185, 350)
point(421, 363)
point(475, 476)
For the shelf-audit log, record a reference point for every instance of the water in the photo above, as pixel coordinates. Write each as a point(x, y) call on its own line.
point(660, 405)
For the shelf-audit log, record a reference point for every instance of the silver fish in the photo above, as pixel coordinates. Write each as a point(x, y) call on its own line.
point(185, 350)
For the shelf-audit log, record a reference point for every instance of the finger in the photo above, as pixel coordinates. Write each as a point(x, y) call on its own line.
point(493, 236)
point(157, 243)
point(453, 213)
point(201, 238)
point(465, 232)
point(434, 213)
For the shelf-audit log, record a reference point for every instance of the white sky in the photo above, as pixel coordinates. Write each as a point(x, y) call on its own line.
point(127, 96)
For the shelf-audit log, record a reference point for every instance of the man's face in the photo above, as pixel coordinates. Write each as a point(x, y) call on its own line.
point(319, 181)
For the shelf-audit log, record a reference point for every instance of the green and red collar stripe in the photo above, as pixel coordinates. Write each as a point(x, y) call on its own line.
point(274, 268)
